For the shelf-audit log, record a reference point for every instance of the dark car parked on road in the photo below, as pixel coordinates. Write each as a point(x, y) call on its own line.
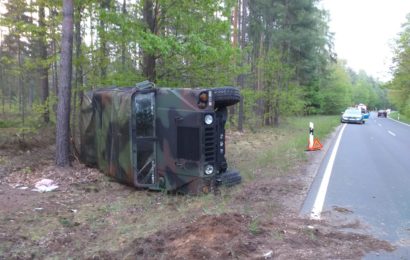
point(382, 113)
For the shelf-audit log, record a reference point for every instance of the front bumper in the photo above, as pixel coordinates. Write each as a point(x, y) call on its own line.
point(228, 178)
point(352, 120)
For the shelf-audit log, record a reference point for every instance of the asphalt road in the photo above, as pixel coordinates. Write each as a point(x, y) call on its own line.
point(367, 179)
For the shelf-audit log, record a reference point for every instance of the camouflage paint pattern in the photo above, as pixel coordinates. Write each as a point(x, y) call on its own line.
point(154, 137)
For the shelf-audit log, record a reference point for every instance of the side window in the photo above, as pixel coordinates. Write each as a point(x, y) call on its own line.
point(144, 115)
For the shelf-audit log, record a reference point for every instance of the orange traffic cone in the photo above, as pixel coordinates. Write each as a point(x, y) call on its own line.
point(313, 143)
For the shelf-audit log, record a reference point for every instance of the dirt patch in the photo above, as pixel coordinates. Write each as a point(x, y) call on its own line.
point(91, 216)
point(230, 236)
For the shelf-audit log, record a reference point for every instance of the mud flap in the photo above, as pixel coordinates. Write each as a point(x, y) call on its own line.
point(229, 178)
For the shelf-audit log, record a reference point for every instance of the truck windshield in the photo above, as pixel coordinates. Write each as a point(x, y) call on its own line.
point(144, 114)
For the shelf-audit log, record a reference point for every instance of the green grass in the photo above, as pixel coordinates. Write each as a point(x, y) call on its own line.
point(254, 227)
point(4, 123)
point(400, 117)
point(278, 148)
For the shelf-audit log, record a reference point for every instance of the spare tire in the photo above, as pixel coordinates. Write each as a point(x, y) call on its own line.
point(226, 96)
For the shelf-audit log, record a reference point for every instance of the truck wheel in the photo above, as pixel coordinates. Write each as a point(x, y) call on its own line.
point(226, 96)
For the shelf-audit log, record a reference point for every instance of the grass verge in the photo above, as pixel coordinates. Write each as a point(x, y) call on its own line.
point(278, 148)
point(399, 117)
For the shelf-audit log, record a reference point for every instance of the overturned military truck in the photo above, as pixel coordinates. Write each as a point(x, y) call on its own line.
point(159, 138)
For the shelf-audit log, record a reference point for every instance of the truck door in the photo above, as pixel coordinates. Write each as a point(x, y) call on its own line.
point(143, 129)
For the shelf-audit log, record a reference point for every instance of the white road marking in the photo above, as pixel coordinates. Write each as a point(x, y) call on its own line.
point(321, 194)
point(398, 121)
point(390, 132)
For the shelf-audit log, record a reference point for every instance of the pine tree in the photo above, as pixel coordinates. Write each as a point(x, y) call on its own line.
point(64, 94)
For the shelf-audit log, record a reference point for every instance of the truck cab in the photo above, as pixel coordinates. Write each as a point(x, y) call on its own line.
point(169, 139)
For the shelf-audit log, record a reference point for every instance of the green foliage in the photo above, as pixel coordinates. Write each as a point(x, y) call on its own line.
point(123, 78)
point(39, 109)
point(344, 88)
point(4, 123)
point(292, 47)
point(336, 93)
point(189, 44)
point(196, 53)
point(24, 131)
point(399, 93)
point(251, 105)
point(282, 96)
point(283, 53)
point(400, 117)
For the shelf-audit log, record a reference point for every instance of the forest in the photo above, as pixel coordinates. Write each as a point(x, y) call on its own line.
point(279, 53)
point(399, 86)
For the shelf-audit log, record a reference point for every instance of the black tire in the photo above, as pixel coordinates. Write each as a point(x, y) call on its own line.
point(229, 179)
point(226, 96)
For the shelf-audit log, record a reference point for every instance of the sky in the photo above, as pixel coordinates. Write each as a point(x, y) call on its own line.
point(365, 31)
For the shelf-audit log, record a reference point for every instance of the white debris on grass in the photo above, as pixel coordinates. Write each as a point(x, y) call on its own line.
point(45, 185)
point(268, 254)
point(16, 185)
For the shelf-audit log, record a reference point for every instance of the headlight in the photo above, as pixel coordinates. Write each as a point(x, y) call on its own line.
point(209, 119)
point(209, 169)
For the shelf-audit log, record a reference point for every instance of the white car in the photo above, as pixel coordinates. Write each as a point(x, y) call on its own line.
point(352, 115)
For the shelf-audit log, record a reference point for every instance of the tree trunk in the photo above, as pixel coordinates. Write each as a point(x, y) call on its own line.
point(148, 59)
point(234, 44)
point(31, 94)
point(53, 14)
point(43, 67)
point(241, 78)
point(92, 37)
point(260, 85)
point(268, 114)
point(64, 95)
point(104, 5)
point(276, 113)
point(241, 116)
point(10, 91)
point(78, 69)
point(123, 42)
point(3, 89)
point(2, 74)
point(20, 83)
